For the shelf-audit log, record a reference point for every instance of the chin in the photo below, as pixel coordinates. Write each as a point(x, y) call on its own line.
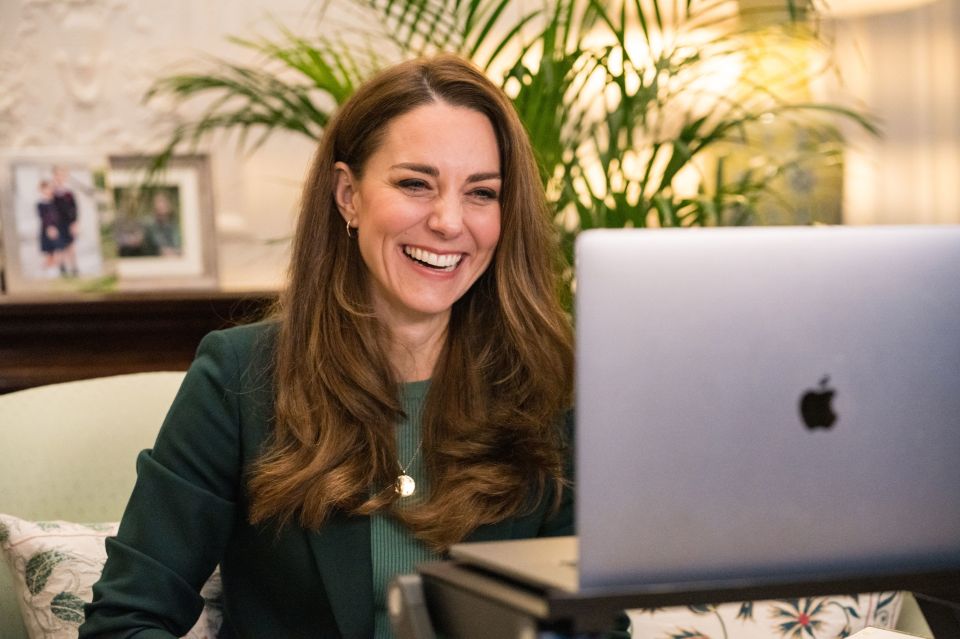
point(440, 308)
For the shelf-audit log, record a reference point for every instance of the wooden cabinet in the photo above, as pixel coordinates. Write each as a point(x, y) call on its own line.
point(47, 340)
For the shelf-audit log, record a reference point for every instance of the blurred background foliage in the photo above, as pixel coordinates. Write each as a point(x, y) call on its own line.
point(642, 112)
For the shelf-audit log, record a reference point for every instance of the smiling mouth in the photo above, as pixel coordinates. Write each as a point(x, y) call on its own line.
point(446, 262)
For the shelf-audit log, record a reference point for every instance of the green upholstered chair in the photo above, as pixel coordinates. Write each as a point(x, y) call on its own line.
point(68, 452)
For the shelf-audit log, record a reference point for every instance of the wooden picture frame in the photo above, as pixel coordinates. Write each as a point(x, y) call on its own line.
point(162, 230)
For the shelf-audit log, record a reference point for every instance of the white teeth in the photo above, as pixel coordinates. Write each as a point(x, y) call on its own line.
point(447, 261)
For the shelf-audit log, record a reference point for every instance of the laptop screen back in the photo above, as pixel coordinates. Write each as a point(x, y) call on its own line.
point(767, 403)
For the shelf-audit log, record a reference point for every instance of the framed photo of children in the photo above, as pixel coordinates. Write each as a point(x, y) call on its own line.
point(52, 208)
point(162, 227)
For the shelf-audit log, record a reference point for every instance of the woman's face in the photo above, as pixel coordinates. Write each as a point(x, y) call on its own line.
point(426, 211)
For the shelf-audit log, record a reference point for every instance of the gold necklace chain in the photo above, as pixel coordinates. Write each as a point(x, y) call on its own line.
point(405, 484)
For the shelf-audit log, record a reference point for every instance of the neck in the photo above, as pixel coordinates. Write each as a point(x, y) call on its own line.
point(415, 347)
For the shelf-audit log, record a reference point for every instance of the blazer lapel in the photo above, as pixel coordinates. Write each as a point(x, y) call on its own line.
point(341, 550)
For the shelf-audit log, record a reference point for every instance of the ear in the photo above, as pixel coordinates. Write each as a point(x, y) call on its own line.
point(345, 191)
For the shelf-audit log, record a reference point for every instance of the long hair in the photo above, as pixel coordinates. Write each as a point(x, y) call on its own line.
point(491, 441)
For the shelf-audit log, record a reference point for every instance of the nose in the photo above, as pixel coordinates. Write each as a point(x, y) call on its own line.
point(446, 218)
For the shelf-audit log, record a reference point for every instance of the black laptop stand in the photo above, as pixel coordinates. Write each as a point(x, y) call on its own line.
point(457, 601)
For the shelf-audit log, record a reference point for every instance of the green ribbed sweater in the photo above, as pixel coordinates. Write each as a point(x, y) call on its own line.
point(393, 549)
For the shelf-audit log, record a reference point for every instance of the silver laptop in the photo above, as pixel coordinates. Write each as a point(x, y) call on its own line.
point(761, 403)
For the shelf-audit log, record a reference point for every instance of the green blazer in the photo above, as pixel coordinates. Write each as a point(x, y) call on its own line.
point(188, 513)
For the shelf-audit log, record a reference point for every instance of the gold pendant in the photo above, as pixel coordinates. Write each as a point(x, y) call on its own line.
point(405, 485)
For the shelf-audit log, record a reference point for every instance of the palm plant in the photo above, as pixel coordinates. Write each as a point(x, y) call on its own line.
point(642, 112)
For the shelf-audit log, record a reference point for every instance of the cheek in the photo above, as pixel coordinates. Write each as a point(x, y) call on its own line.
point(389, 216)
point(487, 233)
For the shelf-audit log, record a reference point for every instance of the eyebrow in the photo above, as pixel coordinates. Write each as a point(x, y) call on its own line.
point(435, 172)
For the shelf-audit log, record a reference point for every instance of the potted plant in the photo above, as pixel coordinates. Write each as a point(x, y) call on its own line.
point(642, 112)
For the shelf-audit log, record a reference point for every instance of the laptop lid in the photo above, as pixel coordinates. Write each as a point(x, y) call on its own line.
point(545, 562)
point(767, 403)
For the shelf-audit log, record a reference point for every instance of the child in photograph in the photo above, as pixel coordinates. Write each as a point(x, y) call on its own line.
point(50, 239)
point(66, 206)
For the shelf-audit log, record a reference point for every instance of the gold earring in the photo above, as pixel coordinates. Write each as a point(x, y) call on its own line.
point(349, 233)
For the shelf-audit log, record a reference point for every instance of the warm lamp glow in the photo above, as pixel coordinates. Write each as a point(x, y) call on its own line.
point(850, 8)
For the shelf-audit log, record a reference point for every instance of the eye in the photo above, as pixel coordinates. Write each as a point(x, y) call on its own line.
point(413, 184)
point(485, 193)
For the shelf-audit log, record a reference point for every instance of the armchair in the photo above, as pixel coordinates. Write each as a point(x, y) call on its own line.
point(69, 453)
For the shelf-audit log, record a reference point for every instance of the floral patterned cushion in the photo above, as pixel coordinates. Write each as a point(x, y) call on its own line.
point(804, 618)
point(54, 565)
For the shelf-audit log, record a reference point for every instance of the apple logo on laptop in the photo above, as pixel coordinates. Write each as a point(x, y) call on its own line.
point(815, 406)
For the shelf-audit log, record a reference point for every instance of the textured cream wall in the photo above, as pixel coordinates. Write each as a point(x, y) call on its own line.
point(72, 75)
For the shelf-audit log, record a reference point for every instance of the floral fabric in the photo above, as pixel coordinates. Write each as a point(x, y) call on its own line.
point(54, 565)
point(804, 618)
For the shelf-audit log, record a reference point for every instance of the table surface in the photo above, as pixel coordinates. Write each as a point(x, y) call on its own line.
point(880, 633)
point(589, 610)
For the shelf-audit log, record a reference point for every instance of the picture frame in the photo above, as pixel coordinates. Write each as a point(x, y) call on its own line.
point(162, 228)
point(52, 205)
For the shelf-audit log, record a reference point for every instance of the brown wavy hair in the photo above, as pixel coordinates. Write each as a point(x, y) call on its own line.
point(491, 437)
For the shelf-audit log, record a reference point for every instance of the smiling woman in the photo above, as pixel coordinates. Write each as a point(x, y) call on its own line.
point(411, 390)
point(428, 219)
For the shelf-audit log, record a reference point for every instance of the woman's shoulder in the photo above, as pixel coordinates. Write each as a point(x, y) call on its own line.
point(240, 357)
point(247, 341)
point(251, 333)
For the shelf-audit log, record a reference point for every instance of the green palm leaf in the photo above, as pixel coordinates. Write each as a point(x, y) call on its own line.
point(295, 87)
